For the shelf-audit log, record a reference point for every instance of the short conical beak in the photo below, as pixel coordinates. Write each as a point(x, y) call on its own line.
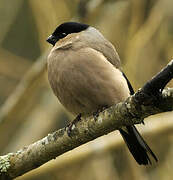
point(52, 40)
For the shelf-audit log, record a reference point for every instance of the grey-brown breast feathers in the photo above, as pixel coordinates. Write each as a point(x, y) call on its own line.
point(83, 80)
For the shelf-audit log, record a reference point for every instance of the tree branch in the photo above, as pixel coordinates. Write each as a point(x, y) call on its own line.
point(105, 144)
point(147, 101)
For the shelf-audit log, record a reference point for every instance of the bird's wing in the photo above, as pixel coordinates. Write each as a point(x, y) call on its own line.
point(109, 51)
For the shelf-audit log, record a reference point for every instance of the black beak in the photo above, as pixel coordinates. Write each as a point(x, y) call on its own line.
point(52, 40)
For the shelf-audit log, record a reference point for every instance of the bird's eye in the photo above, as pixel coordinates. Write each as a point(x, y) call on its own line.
point(62, 35)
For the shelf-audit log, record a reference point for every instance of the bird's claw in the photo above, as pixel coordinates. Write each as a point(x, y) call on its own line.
point(96, 114)
point(70, 126)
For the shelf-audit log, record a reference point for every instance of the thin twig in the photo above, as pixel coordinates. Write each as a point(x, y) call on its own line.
point(33, 73)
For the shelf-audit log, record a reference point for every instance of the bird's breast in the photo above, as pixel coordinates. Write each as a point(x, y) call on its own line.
point(85, 81)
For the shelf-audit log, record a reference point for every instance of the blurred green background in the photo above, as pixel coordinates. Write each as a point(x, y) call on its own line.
point(142, 32)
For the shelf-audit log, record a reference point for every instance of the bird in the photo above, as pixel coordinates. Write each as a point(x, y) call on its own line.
point(85, 73)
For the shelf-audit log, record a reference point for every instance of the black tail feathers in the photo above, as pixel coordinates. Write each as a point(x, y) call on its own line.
point(137, 145)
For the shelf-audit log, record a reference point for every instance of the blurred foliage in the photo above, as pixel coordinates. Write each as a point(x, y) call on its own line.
point(142, 32)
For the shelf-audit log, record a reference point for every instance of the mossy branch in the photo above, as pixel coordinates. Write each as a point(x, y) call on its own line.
point(149, 100)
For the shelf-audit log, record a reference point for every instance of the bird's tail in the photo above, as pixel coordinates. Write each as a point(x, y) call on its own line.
point(137, 146)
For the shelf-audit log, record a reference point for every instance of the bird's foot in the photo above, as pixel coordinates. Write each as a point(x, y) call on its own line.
point(96, 114)
point(70, 126)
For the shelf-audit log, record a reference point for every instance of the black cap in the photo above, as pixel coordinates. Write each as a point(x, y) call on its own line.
point(64, 29)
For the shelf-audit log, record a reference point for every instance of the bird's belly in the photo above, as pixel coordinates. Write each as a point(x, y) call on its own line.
point(85, 88)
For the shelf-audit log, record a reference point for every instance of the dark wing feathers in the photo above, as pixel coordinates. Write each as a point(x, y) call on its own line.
point(134, 141)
